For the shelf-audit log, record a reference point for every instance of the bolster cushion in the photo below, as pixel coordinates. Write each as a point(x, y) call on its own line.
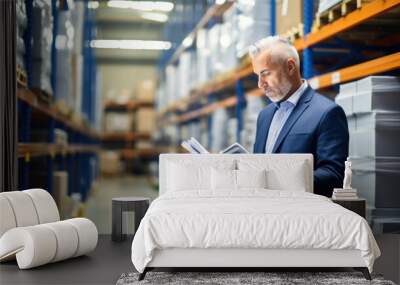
point(46, 208)
point(7, 218)
point(40, 244)
point(26, 208)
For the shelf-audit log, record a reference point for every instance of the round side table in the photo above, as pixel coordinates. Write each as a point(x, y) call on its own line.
point(139, 205)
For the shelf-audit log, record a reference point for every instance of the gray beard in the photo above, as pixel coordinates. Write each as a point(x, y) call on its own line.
point(283, 90)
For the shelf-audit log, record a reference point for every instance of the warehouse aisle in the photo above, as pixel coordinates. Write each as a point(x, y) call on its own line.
point(98, 207)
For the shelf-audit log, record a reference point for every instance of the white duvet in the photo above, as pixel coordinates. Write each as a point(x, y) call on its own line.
point(250, 219)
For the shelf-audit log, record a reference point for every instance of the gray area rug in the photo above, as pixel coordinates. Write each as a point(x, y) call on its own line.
point(228, 278)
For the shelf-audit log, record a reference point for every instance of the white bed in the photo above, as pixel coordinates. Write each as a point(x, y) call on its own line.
point(221, 211)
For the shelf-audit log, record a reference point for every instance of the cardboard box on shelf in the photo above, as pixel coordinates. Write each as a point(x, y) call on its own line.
point(144, 145)
point(376, 134)
point(370, 94)
point(377, 93)
point(376, 180)
point(145, 90)
point(109, 163)
point(145, 120)
point(288, 15)
point(345, 97)
point(118, 122)
point(122, 96)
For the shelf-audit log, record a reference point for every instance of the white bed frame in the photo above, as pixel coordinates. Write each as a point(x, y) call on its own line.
point(234, 257)
point(251, 258)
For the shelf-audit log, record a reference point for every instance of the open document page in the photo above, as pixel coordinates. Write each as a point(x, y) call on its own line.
point(193, 146)
point(234, 148)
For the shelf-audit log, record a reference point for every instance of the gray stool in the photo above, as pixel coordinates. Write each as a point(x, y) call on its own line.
point(139, 205)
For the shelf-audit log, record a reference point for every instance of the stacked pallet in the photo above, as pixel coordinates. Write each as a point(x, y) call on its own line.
point(331, 10)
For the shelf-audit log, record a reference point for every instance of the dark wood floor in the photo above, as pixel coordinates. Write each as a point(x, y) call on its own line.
point(110, 260)
point(103, 266)
point(106, 264)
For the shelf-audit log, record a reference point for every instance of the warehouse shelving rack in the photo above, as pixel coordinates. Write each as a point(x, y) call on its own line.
point(180, 112)
point(83, 140)
point(182, 24)
point(112, 139)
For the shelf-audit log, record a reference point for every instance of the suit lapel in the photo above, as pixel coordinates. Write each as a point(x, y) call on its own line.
point(294, 116)
point(265, 127)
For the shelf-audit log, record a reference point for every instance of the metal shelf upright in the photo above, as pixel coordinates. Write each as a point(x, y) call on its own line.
point(24, 110)
point(307, 55)
point(81, 149)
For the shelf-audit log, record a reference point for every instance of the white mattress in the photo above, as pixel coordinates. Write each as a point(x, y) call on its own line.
point(256, 218)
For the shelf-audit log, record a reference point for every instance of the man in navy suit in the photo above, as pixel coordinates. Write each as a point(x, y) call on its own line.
point(298, 119)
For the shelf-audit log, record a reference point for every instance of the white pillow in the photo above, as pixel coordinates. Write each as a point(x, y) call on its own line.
point(251, 178)
point(225, 179)
point(182, 177)
point(281, 173)
point(193, 175)
point(280, 180)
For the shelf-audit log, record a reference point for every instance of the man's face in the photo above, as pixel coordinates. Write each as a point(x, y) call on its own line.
point(272, 76)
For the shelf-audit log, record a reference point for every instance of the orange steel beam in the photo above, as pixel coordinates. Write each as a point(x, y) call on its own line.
point(379, 65)
point(135, 153)
point(356, 17)
point(371, 67)
point(42, 149)
point(125, 136)
point(228, 102)
point(129, 106)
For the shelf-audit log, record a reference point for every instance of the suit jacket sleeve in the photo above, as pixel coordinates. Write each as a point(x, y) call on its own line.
point(256, 141)
point(331, 151)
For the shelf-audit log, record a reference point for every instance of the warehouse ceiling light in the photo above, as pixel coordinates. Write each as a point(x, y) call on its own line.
point(158, 17)
point(188, 41)
point(93, 4)
point(142, 5)
point(131, 44)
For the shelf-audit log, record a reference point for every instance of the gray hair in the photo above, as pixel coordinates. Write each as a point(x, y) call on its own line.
point(279, 47)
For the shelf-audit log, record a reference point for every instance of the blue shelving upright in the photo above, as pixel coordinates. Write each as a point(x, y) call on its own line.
point(24, 123)
point(272, 17)
point(89, 68)
point(53, 74)
point(78, 165)
point(240, 104)
point(307, 54)
point(24, 110)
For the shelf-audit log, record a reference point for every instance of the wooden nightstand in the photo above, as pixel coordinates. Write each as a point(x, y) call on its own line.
point(358, 206)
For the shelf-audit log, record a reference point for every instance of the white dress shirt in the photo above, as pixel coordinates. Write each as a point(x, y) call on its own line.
point(281, 115)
